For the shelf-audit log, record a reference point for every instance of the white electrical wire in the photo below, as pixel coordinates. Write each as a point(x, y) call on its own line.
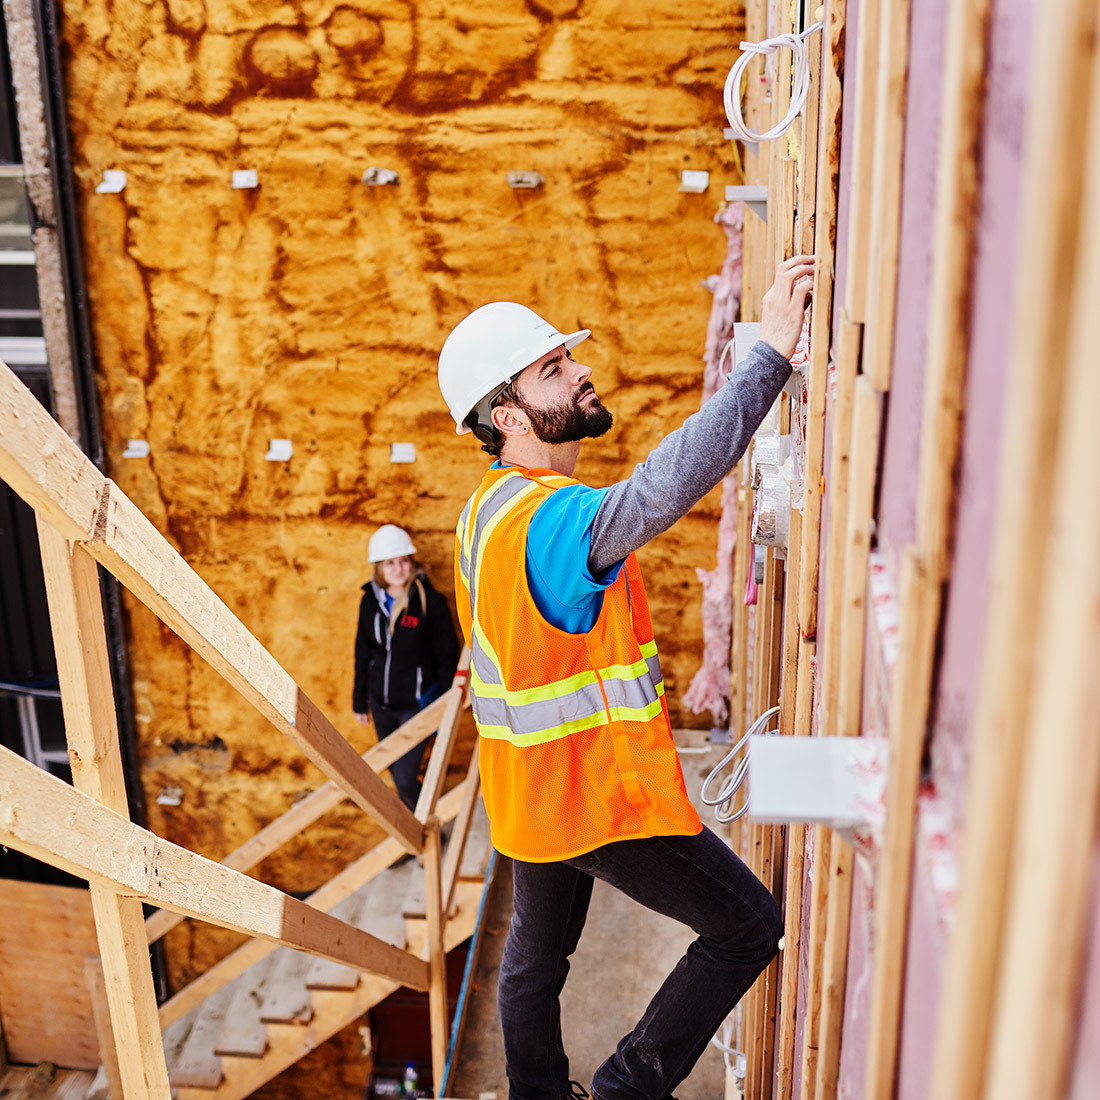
point(723, 1040)
point(731, 94)
point(723, 801)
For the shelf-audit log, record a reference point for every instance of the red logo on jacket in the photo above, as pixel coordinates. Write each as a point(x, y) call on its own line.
point(410, 621)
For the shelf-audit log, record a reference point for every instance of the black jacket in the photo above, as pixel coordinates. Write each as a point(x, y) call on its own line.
point(398, 668)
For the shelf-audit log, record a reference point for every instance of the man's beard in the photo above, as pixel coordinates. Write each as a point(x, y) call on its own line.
point(571, 422)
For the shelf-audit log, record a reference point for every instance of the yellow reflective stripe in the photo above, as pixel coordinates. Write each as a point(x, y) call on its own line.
point(502, 512)
point(558, 688)
point(567, 729)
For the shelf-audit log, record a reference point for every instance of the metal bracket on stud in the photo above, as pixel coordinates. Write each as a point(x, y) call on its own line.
point(752, 146)
point(755, 198)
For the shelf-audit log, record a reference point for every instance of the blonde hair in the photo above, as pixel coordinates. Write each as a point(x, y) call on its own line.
point(401, 602)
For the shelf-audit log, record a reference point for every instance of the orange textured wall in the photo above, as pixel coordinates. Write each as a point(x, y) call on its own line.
point(312, 308)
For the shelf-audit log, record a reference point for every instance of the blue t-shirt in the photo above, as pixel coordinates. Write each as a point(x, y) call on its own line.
point(558, 542)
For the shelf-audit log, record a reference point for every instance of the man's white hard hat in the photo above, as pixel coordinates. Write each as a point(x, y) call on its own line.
point(389, 542)
point(488, 348)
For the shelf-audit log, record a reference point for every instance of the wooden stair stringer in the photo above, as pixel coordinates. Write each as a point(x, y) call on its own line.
point(332, 1010)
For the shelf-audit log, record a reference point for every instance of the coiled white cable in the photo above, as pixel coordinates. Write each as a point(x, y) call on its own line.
point(731, 94)
point(723, 801)
point(734, 1058)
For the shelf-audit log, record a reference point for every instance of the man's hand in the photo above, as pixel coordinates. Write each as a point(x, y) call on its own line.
point(785, 303)
point(362, 719)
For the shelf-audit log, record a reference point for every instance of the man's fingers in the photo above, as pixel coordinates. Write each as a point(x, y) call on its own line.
point(795, 261)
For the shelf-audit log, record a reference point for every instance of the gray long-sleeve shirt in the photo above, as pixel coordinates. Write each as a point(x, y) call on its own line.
point(688, 462)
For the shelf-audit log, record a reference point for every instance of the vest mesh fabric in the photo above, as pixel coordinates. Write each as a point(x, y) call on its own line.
point(576, 749)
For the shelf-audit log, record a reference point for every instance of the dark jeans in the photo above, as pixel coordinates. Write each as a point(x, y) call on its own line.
point(696, 880)
point(405, 772)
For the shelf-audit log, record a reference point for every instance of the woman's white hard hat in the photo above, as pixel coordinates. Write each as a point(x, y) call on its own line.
point(488, 348)
point(389, 542)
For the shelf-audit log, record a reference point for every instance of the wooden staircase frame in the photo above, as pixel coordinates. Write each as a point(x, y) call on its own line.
point(83, 519)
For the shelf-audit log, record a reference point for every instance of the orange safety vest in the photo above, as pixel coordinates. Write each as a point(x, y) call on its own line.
point(576, 749)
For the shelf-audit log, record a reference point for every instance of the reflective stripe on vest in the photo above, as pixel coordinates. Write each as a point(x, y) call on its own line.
point(539, 715)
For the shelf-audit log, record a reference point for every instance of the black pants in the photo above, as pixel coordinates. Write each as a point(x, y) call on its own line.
point(696, 880)
point(406, 770)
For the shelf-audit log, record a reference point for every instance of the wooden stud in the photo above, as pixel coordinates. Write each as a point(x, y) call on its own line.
point(918, 611)
point(957, 190)
point(791, 635)
point(861, 156)
point(324, 898)
point(819, 909)
point(1052, 244)
point(739, 633)
point(834, 969)
point(47, 470)
point(863, 477)
point(886, 172)
point(45, 818)
point(804, 695)
point(437, 959)
point(87, 699)
point(456, 846)
point(101, 1011)
point(326, 797)
point(845, 671)
point(43, 465)
point(838, 486)
point(825, 207)
point(1044, 960)
point(436, 773)
point(792, 942)
point(331, 1012)
point(807, 168)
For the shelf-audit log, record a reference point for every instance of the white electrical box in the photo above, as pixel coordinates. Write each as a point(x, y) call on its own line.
point(836, 781)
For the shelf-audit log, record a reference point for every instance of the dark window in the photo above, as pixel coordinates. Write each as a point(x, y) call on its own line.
point(9, 130)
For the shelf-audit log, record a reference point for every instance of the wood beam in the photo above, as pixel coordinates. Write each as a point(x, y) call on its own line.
point(437, 958)
point(1045, 956)
point(303, 814)
point(46, 469)
point(1052, 247)
point(886, 175)
point(824, 247)
point(45, 818)
point(436, 772)
point(91, 730)
point(456, 846)
point(343, 885)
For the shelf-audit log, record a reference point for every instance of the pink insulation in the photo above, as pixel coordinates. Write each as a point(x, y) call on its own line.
point(710, 687)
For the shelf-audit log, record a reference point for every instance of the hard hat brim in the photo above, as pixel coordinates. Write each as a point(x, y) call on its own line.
point(568, 342)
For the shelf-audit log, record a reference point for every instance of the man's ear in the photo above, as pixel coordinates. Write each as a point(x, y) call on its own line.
point(508, 420)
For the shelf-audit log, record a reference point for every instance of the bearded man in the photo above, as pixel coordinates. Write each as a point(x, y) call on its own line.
point(578, 767)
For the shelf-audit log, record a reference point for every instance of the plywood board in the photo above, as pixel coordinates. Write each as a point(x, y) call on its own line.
point(287, 1000)
point(45, 934)
point(243, 1033)
point(198, 1066)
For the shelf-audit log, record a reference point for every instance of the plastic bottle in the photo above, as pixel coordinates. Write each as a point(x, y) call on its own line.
point(410, 1085)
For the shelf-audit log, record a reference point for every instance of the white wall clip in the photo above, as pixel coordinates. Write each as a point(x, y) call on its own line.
point(114, 180)
point(379, 177)
point(279, 450)
point(694, 182)
point(524, 181)
point(402, 452)
point(245, 178)
point(136, 448)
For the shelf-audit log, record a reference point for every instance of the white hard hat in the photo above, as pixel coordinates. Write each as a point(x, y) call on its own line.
point(389, 542)
point(488, 348)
